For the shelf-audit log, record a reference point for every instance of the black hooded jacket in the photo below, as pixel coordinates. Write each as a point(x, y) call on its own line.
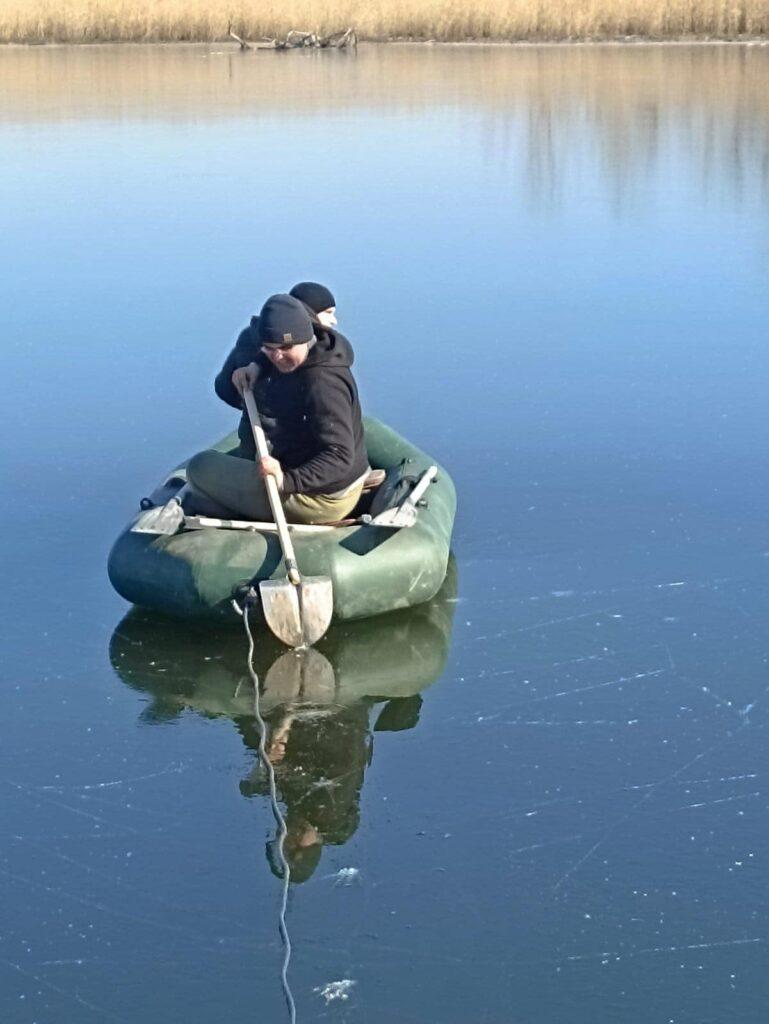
point(311, 416)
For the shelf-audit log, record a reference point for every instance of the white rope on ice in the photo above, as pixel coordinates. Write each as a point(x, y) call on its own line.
point(279, 819)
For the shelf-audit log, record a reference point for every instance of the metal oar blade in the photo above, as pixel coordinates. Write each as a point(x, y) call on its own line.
point(300, 614)
point(163, 521)
point(403, 517)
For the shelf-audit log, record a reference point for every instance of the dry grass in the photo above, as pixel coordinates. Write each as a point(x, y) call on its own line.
point(83, 21)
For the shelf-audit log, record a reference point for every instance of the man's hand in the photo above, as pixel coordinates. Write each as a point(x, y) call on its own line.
point(271, 467)
point(244, 378)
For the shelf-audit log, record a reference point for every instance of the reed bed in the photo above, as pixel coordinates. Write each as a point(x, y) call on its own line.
point(91, 21)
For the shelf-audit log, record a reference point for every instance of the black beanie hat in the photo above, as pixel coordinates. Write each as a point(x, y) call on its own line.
point(284, 321)
point(314, 295)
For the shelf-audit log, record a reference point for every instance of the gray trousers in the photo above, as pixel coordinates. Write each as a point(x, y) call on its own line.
point(230, 487)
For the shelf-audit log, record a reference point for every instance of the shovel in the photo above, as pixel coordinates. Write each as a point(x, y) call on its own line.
point(298, 609)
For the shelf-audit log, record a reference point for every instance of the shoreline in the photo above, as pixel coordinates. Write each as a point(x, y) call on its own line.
point(640, 41)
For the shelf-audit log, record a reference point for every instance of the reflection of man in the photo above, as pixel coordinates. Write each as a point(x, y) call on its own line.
point(320, 757)
point(300, 373)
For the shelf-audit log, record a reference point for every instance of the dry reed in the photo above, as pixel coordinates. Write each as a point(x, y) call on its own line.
point(85, 21)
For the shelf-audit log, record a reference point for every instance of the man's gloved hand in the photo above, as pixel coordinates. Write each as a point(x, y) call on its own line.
point(244, 378)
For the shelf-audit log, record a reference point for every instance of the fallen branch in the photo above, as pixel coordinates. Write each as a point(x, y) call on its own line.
point(347, 37)
point(297, 40)
point(243, 44)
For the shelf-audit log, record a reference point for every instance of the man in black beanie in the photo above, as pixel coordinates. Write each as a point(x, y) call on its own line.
point(318, 299)
point(308, 402)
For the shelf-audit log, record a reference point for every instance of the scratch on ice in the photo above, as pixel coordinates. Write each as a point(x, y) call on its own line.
point(543, 625)
point(637, 806)
point(173, 769)
point(569, 693)
point(618, 955)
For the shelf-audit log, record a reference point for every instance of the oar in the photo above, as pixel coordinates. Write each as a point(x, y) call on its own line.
point(163, 520)
point(298, 610)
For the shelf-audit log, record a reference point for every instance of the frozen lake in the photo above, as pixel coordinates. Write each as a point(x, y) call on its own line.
point(541, 799)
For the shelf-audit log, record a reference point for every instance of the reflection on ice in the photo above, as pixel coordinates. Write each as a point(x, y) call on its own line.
point(318, 704)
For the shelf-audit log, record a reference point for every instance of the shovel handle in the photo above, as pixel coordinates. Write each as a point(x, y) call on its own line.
point(292, 569)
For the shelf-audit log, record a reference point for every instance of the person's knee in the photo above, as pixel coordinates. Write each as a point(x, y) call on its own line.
point(199, 469)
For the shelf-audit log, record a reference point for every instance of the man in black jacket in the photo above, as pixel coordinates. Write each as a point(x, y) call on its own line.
point(319, 301)
point(308, 402)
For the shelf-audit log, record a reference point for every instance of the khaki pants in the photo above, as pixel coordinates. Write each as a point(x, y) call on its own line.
point(230, 487)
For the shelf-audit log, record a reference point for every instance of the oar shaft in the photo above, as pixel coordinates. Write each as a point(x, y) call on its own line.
point(292, 569)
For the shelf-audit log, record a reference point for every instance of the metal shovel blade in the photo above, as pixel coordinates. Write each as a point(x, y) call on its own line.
point(300, 614)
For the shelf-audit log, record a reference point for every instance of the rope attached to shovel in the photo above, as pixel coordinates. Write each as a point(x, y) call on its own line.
point(279, 819)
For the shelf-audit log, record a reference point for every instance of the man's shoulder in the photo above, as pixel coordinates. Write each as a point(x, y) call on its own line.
point(249, 336)
point(325, 386)
point(320, 373)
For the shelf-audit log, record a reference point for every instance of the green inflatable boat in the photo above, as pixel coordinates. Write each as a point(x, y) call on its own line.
point(375, 564)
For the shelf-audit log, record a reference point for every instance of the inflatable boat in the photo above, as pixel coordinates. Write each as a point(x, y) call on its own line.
point(391, 553)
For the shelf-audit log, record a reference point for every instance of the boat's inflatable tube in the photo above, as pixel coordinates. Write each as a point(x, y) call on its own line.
point(195, 573)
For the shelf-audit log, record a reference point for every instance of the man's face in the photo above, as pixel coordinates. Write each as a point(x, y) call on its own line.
point(286, 358)
point(327, 317)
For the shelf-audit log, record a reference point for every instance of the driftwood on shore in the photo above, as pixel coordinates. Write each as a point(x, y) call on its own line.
point(295, 40)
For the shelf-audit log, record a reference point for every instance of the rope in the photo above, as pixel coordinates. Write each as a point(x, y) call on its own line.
point(279, 820)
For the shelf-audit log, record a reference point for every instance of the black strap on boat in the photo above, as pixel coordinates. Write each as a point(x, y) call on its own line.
point(250, 598)
point(244, 595)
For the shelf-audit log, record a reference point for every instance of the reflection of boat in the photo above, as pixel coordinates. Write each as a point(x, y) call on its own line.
point(318, 703)
point(374, 569)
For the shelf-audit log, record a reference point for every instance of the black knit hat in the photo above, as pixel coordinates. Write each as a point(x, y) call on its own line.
point(284, 321)
point(314, 295)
